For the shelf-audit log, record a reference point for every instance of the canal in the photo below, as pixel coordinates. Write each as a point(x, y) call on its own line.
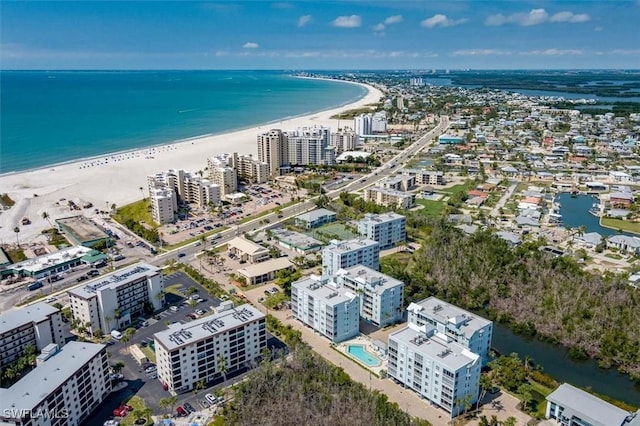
point(575, 213)
point(555, 361)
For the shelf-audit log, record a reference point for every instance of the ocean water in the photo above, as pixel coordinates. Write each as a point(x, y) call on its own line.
point(53, 117)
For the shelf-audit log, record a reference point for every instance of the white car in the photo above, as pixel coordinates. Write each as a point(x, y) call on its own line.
point(212, 399)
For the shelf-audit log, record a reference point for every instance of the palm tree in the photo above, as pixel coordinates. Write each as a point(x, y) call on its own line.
point(46, 216)
point(142, 192)
point(117, 367)
point(199, 386)
point(486, 383)
point(164, 403)
point(17, 231)
point(222, 366)
point(108, 319)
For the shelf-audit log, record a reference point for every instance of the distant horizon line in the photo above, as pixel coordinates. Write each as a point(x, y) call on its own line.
point(464, 69)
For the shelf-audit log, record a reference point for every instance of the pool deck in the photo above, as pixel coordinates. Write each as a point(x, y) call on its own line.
point(366, 343)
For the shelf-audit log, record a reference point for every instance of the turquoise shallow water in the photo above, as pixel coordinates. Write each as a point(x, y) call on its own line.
point(363, 355)
point(54, 117)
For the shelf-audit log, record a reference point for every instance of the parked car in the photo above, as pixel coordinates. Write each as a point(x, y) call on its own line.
point(173, 308)
point(189, 407)
point(199, 312)
point(150, 369)
point(181, 255)
point(181, 412)
point(93, 273)
point(212, 399)
point(82, 278)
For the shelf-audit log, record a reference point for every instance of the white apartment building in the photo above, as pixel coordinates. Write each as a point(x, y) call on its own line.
point(390, 197)
point(310, 145)
point(111, 301)
point(172, 187)
point(273, 149)
point(250, 169)
point(202, 349)
point(345, 254)
point(344, 140)
point(426, 177)
point(37, 325)
point(388, 229)
point(571, 406)
point(399, 182)
point(368, 124)
point(223, 175)
point(66, 386)
point(379, 122)
point(164, 205)
point(434, 366)
point(381, 296)
point(467, 329)
point(362, 124)
point(329, 309)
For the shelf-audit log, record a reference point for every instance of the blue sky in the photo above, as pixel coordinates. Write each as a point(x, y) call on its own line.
point(355, 34)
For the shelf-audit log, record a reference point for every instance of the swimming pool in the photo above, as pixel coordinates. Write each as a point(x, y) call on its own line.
point(362, 355)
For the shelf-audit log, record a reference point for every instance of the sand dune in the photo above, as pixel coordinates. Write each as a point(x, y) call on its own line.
point(116, 178)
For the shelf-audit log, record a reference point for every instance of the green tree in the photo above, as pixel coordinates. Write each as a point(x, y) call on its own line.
point(17, 231)
point(222, 367)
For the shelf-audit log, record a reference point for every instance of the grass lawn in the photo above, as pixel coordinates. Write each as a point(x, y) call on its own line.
point(463, 187)
point(149, 353)
point(625, 225)
point(430, 208)
point(138, 404)
point(613, 256)
point(401, 257)
point(139, 211)
point(15, 255)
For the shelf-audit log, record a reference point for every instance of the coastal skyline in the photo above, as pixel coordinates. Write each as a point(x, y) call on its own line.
point(319, 35)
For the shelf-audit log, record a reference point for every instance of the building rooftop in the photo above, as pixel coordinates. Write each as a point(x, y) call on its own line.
point(370, 278)
point(115, 279)
point(337, 246)
point(27, 315)
point(246, 246)
point(450, 354)
point(265, 267)
point(315, 215)
point(296, 239)
point(179, 335)
point(52, 259)
point(37, 385)
point(587, 407)
point(321, 288)
point(445, 313)
point(381, 218)
point(81, 228)
point(388, 191)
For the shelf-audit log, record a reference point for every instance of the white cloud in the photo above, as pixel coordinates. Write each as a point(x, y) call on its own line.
point(598, 29)
point(440, 20)
point(536, 17)
point(251, 45)
point(378, 28)
point(395, 19)
point(352, 21)
point(567, 16)
point(303, 20)
point(481, 52)
point(554, 52)
point(625, 52)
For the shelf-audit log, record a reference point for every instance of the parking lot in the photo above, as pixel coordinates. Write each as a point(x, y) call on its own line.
point(145, 384)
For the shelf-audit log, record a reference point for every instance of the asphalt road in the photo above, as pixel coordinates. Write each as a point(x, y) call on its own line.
point(381, 172)
point(140, 383)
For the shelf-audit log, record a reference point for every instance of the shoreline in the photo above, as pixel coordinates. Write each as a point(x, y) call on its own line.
point(115, 178)
point(197, 137)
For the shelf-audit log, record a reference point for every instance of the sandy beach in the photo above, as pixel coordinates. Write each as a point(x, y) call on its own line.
point(117, 178)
